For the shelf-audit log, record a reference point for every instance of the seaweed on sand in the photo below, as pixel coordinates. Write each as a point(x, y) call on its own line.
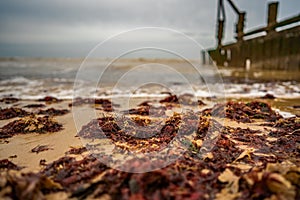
point(30, 124)
point(50, 99)
point(35, 105)
point(40, 148)
point(72, 173)
point(16, 185)
point(9, 113)
point(147, 110)
point(76, 150)
point(246, 112)
point(242, 163)
point(8, 165)
point(133, 131)
point(9, 100)
point(106, 104)
point(169, 99)
point(53, 112)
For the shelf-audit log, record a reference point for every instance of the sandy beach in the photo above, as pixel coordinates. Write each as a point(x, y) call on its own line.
point(150, 100)
point(229, 134)
point(246, 145)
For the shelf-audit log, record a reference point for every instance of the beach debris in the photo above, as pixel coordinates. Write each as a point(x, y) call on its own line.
point(137, 134)
point(268, 96)
point(145, 103)
point(190, 100)
point(9, 100)
point(201, 103)
point(106, 104)
point(238, 163)
point(285, 126)
point(8, 165)
point(43, 162)
point(143, 134)
point(273, 182)
point(288, 124)
point(50, 99)
point(26, 186)
point(13, 156)
point(91, 130)
point(287, 143)
point(76, 150)
point(79, 101)
point(170, 99)
point(53, 112)
point(35, 106)
point(40, 148)
point(9, 113)
point(72, 173)
point(30, 124)
point(245, 112)
point(147, 110)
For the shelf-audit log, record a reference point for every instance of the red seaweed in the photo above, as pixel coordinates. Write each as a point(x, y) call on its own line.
point(246, 112)
point(9, 100)
point(40, 148)
point(30, 124)
point(53, 112)
point(50, 99)
point(272, 166)
point(6, 164)
point(9, 113)
point(76, 151)
point(35, 106)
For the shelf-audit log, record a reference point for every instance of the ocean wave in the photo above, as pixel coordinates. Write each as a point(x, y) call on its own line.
point(25, 88)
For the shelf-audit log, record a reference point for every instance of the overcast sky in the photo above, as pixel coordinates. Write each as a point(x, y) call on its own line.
point(71, 28)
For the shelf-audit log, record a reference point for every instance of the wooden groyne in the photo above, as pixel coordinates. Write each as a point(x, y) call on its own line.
point(275, 49)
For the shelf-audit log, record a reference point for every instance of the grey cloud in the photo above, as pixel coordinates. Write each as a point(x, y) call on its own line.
point(75, 11)
point(64, 22)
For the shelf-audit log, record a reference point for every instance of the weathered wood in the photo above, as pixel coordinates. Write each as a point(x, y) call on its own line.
point(276, 50)
point(279, 50)
point(272, 16)
point(277, 25)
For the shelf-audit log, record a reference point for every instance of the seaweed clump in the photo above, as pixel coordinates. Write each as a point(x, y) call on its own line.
point(72, 173)
point(137, 134)
point(9, 113)
point(9, 100)
point(8, 165)
point(76, 150)
point(50, 99)
point(26, 186)
point(246, 112)
point(53, 112)
point(106, 104)
point(30, 124)
point(35, 105)
point(40, 148)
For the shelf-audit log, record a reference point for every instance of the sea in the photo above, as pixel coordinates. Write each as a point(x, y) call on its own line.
point(66, 78)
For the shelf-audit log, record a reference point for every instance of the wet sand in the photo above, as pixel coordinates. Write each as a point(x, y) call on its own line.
point(59, 142)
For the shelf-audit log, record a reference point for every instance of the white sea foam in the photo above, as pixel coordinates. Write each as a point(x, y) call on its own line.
point(36, 78)
point(63, 88)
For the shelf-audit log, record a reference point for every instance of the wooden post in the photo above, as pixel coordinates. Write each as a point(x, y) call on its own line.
point(220, 33)
point(240, 26)
point(203, 52)
point(272, 17)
